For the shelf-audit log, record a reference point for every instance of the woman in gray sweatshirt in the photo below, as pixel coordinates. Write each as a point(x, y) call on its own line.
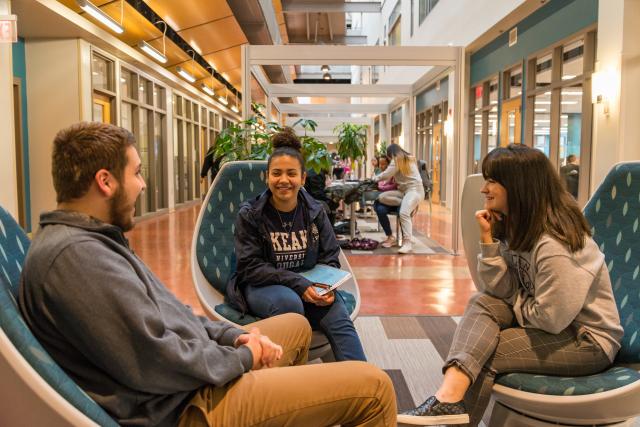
point(545, 304)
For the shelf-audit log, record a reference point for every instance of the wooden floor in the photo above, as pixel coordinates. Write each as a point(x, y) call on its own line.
point(389, 284)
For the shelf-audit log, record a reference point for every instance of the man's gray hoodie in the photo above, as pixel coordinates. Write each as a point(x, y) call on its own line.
point(116, 330)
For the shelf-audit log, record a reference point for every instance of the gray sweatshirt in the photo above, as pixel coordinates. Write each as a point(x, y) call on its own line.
point(405, 182)
point(552, 288)
point(108, 321)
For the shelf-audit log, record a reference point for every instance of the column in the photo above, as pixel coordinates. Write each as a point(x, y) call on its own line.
point(616, 133)
point(9, 193)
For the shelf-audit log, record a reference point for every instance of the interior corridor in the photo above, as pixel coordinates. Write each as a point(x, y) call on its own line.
point(389, 284)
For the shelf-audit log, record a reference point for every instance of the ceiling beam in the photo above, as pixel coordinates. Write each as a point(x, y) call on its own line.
point(315, 6)
point(352, 55)
point(339, 90)
point(334, 108)
point(340, 40)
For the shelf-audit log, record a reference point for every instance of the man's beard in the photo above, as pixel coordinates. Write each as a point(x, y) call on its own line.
point(120, 211)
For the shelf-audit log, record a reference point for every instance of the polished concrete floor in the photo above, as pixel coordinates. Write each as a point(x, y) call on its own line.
point(389, 284)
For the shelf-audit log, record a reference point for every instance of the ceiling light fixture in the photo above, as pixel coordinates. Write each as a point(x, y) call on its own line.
point(207, 90)
point(185, 75)
point(153, 52)
point(98, 14)
point(234, 108)
point(223, 100)
point(324, 68)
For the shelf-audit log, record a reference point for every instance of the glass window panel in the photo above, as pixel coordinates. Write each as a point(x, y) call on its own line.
point(572, 60)
point(543, 71)
point(477, 142)
point(542, 122)
point(477, 94)
point(493, 129)
point(493, 92)
point(127, 84)
point(515, 82)
point(161, 96)
point(143, 150)
point(571, 136)
point(187, 108)
point(158, 155)
point(102, 73)
point(126, 116)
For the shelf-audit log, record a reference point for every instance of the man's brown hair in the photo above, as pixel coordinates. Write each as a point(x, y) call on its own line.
point(81, 150)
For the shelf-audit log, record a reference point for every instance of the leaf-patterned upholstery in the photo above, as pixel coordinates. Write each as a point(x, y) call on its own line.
point(13, 247)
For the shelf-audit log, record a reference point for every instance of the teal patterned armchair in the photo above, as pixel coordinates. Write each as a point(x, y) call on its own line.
point(612, 396)
point(35, 390)
point(213, 254)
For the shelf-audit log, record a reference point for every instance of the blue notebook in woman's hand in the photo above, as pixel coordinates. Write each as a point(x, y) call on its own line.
point(325, 275)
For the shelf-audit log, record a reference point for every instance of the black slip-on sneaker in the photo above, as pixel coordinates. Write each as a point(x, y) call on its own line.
point(433, 412)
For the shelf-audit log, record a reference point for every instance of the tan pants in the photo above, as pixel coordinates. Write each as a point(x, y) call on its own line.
point(327, 394)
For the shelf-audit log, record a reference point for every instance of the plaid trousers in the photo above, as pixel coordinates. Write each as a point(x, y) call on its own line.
point(488, 341)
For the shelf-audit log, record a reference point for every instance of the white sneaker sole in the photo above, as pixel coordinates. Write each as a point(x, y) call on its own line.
point(405, 250)
point(434, 420)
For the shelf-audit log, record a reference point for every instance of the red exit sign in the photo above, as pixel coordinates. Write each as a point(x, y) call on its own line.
point(8, 29)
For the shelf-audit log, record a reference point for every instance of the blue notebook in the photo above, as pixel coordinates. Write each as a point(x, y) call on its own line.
point(325, 275)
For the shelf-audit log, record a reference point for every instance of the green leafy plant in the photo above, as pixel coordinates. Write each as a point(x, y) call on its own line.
point(382, 150)
point(352, 141)
point(314, 151)
point(247, 140)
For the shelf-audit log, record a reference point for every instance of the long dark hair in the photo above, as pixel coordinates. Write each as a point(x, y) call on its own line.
point(286, 143)
point(537, 201)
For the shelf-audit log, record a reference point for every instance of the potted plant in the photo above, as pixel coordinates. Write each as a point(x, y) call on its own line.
point(314, 151)
point(352, 141)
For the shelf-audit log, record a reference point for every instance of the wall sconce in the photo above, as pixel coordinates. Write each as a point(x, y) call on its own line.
point(448, 128)
point(448, 125)
point(326, 76)
point(234, 108)
point(603, 88)
point(98, 14)
point(324, 68)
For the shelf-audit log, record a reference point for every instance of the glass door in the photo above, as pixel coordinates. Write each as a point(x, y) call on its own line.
point(510, 122)
point(435, 166)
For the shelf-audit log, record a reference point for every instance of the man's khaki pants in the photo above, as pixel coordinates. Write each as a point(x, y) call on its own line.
point(325, 394)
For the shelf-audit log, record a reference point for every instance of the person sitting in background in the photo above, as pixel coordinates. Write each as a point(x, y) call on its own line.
point(143, 356)
point(315, 185)
point(210, 165)
point(404, 169)
point(375, 165)
point(389, 188)
point(571, 175)
point(545, 304)
point(279, 233)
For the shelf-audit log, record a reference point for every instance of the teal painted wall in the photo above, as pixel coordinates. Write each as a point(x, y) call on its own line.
point(20, 71)
point(555, 21)
point(431, 96)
